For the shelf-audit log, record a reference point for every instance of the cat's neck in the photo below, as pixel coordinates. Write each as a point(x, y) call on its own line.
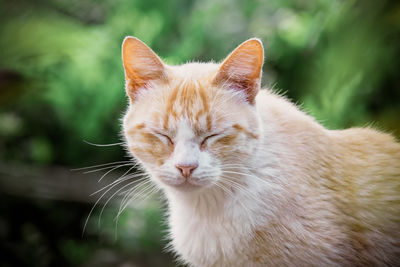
point(208, 203)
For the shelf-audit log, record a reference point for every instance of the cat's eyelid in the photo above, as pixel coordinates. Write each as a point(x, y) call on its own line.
point(209, 137)
point(164, 135)
point(221, 132)
point(157, 131)
point(212, 135)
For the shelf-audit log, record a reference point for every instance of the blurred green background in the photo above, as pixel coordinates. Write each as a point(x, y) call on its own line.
point(61, 83)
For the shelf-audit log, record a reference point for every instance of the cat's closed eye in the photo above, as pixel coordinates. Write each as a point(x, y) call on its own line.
point(203, 144)
point(164, 138)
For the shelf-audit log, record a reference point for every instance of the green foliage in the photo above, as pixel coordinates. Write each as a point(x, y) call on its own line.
point(344, 72)
point(323, 53)
point(76, 252)
point(137, 229)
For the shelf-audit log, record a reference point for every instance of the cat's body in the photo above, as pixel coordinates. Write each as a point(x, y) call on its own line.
point(335, 206)
point(253, 181)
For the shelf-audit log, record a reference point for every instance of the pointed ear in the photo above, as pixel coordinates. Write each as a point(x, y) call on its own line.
point(141, 64)
point(241, 70)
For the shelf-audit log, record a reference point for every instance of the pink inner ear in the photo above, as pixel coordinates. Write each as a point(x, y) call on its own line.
point(250, 88)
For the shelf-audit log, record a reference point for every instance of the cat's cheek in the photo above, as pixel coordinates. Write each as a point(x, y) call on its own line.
point(155, 154)
point(142, 154)
point(156, 177)
point(228, 146)
point(219, 146)
point(234, 148)
point(149, 148)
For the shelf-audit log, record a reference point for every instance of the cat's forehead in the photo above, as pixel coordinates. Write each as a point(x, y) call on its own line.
point(188, 98)
point(190, 101)
point(193, 71)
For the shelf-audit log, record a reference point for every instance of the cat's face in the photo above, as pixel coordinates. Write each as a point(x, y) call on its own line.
point(191, 125)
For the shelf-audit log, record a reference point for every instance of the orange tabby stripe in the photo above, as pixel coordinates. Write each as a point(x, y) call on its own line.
point(242, 129)
point(227, 140)
point(154, 147)
point(206, 107)
point(191, 97)
point(135, 128)
point(170, 105)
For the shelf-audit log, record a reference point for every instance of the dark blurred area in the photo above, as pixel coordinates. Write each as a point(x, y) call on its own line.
point(62, 88)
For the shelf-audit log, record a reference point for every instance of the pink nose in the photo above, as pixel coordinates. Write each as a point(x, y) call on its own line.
point(186, 169)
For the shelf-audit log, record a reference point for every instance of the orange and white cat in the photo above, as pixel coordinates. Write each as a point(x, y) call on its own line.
point(250, 179)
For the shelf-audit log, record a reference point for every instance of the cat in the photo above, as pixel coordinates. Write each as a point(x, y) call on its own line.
point(250, 179)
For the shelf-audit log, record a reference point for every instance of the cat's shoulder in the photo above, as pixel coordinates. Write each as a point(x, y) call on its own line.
point(368, 137)
point(275, 107)
point(368, 151)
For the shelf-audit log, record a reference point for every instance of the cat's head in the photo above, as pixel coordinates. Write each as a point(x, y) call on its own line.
point(191, 126)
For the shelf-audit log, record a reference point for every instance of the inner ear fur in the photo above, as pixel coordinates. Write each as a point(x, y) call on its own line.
point(242, 69)
point(141, 64)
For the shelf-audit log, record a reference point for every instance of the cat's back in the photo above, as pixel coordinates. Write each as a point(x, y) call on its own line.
point(367, 182)
point(367, 152)
point(360, 173)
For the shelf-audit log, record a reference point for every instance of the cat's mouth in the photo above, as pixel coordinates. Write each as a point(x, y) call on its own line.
point(184, 183)
point(188, 186)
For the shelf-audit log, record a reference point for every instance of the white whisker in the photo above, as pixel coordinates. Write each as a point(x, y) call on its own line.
point(132, 190)
point(111, 197)
point(101, 165)
point(97, 202)
point(103, 145)
point(136, 195)
point(119, 180)
point(113, 169)
point(108, 167)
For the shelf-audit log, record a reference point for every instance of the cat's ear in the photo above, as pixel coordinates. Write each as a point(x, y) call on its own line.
point(142, 66)
point(241, 70)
